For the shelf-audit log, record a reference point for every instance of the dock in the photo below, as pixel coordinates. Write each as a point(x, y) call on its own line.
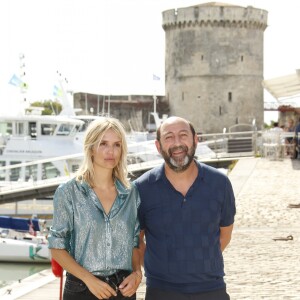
point(257, 265)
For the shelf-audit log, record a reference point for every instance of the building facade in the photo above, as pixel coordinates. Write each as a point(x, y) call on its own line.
point(134, 111)
point(214, 64)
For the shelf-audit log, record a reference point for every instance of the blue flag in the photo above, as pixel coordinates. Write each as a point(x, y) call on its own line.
point(155, 77)
point(57, 92)
point(16, 81)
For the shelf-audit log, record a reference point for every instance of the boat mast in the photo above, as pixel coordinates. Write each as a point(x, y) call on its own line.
point(23, 85)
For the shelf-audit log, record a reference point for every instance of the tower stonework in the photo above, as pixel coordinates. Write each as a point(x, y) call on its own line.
point(214, 64)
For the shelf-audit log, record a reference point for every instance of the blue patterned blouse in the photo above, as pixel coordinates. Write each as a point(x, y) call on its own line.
point(102, 243)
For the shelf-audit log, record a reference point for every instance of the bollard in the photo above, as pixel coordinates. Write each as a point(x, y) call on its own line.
point(57, 270)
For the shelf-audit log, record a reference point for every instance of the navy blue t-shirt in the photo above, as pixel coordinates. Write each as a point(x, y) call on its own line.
point(183, 233)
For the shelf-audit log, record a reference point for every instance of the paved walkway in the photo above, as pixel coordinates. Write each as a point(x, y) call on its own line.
point(256, 266)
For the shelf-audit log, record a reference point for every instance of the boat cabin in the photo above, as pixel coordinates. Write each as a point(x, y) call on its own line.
point(24, 139)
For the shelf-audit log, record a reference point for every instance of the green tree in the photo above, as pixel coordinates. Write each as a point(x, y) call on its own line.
point(50, 107)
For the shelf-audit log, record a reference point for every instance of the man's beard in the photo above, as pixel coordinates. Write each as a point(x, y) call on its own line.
point(179, 164)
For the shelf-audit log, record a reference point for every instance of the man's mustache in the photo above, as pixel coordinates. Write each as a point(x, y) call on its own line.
point(176, 148)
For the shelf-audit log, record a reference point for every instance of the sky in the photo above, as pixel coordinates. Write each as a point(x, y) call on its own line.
point(113, 46)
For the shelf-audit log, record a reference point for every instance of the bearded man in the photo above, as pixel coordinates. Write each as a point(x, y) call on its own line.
point(186, 216)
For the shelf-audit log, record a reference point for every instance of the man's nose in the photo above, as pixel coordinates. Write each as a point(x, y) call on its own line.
point(177, 141)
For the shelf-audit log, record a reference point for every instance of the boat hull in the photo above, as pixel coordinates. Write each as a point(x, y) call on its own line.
point(20, 251)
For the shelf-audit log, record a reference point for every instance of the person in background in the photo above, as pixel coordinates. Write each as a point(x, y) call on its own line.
point(277, 136)
point(95, 231)
point(297, 139)
point(289, 141)
point(290, 125)
point(186, 215)
point(276, 127)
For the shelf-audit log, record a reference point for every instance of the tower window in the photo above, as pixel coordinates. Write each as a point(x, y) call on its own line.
point(242, 58)
point(229, 96)
point(220, 110)
point(182, 96)
point(202, 57)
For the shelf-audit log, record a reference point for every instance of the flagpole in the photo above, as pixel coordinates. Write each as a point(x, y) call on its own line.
point(154, 78)
point(154, 106)
point(23, 85)
point(22, 74)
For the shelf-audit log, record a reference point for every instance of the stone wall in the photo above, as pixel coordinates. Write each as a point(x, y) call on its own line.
point(214, 64)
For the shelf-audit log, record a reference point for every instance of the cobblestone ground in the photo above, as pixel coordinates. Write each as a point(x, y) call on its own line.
point(256, 266)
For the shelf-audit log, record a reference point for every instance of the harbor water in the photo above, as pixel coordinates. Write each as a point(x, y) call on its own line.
point(12, 272)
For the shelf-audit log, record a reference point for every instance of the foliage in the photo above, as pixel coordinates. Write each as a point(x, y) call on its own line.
point(50, 107)
point(232, 165)
point(268, 126)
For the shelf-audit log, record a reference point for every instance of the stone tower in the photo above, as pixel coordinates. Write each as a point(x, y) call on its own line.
point(214, 64)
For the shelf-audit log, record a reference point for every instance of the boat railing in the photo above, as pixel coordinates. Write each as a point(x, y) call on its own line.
point(217, 143)
point(227, 144)
point(141, 157)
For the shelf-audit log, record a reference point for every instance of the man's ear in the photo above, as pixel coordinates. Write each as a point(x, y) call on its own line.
point(157, 144)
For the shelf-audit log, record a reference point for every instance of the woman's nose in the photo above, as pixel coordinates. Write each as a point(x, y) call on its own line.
point(110, 149)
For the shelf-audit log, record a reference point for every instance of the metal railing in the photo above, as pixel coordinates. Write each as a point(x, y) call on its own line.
point(143, 156)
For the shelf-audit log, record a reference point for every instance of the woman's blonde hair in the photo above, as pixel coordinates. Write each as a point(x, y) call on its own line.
point(93, 136)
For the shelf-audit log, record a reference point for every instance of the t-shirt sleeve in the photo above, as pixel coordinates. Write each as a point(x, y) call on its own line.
point(136, 196)
point(228, 207)
point(140, 209)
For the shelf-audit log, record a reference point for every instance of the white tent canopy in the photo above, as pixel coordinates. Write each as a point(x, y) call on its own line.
point(283, 87)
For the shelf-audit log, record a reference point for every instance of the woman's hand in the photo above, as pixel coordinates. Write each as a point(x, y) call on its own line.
point(130, 284)
point(99, 288)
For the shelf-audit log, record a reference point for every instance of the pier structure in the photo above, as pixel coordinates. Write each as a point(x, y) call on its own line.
point(214, 64)
point(261, 262)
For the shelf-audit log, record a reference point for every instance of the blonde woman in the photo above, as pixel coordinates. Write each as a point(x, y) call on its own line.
point(95, 230)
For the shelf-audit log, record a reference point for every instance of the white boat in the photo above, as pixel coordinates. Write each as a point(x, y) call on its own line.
point(55, 143)
point(23, 251)
point(29, 138)
point(22, 240)
point(48, 139)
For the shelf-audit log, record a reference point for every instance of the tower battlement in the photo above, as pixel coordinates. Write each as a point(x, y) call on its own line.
point(216, 15)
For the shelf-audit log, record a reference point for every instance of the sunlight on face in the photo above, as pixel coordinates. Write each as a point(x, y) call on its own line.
point(107, 152)
point(177, 145)
point(179, 164)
